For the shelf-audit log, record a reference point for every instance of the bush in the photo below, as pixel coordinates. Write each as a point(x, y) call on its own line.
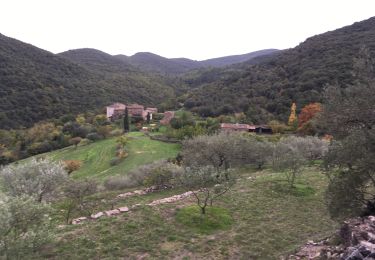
point(39, 147)
point(72, 165)
point(162, 176)
point(119, 182)
point(115, 161)
point(277, 127)
point(121, 153)
point(84, 142)
point(160, 173)
point(116, 132)
point(94, 136)
point(75, 141)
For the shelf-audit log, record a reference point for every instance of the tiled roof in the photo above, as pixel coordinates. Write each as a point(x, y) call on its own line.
point(237, 126)
point(117, 105)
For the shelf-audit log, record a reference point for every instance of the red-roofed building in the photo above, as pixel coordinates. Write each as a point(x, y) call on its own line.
point(261, 129)
point(168, 115)
point(226, 127)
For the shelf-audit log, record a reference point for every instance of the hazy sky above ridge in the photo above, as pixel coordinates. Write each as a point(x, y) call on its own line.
point(195, 29)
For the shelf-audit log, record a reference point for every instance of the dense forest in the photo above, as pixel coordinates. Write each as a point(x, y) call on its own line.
point(264, 88)
point(36, 85)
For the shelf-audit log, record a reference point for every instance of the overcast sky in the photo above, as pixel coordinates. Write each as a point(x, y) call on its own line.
point(196, 29)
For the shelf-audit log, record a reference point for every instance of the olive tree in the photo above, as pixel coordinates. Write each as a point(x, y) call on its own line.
point(221, 151)
point(76, 197)
point(39, 178)
point(349, 116)
point(255, 152)
point(206, 183)
point(291, 154)
point(24, 227)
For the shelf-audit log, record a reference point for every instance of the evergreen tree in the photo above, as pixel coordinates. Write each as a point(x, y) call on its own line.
point(126, 121)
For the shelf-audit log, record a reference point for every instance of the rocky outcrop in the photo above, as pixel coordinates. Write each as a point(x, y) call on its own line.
point(354, 241)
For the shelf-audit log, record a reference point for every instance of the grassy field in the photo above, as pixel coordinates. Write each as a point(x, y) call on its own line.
point(267, 221)
point(96, 157)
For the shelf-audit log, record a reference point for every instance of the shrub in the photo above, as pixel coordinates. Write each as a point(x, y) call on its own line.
point(162, 176)
point(121, 153)
point(160, 173)
point(94, 136)
point(104, 130)
point(84, 142)
point(75, 141)
point(39, 147)
point(119, 182)
point(72, 165)
point(116, 132)
point(277, 127)
point(115, 161)
point(122, 140)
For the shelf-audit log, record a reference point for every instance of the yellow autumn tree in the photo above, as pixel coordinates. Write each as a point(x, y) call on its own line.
point(292, 121)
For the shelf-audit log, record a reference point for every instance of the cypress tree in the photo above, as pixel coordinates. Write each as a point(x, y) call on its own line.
point(126, 121)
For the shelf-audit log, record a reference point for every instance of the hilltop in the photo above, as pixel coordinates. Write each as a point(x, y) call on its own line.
point(150, 62)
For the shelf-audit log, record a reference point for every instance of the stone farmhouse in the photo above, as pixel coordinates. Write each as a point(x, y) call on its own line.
point(168, 115)
point(117, 110)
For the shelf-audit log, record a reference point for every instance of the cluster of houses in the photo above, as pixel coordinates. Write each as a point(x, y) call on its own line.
point(260, 129)
point(117, 110)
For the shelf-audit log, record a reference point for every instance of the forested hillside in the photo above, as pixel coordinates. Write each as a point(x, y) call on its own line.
point(266, 89)
point(36, 84)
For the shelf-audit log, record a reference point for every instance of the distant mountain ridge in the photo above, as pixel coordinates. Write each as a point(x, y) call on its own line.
point(233, 59)
point(153, 63)
point(150, 62)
